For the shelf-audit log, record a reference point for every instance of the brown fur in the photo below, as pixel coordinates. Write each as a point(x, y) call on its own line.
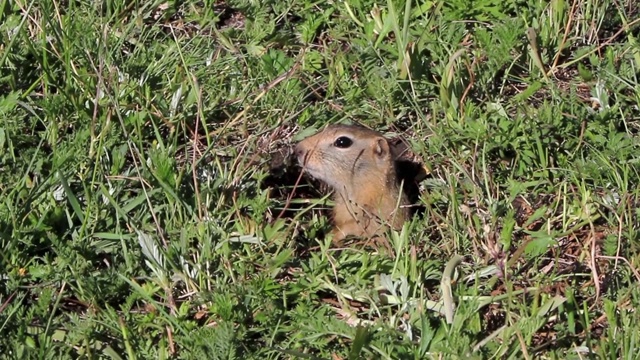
point(363, 177)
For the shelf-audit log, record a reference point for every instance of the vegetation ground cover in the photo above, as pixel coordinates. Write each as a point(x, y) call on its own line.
point(148, 208)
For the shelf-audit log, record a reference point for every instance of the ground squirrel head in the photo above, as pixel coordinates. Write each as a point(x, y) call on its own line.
point(359, 164)
point(346, 156)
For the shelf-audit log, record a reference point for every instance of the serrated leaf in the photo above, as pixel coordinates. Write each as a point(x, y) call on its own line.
point(539, 244)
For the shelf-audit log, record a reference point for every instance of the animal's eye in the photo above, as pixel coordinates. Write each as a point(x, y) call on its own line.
point(343, 142)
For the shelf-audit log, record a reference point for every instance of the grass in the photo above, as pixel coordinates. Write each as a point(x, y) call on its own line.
point(146, 210)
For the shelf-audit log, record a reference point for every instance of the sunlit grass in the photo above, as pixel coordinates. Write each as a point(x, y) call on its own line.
point(145, 189)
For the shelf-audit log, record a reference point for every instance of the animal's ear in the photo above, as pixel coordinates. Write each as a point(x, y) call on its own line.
point(381, 148)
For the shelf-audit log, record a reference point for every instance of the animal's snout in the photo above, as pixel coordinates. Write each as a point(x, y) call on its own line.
point(300, 153)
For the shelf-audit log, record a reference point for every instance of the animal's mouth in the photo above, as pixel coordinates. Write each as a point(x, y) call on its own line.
point(304, 157)
point(309, 170)
point(303, 160)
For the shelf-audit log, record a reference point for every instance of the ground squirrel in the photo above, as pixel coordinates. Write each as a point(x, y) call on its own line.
point(360, 166)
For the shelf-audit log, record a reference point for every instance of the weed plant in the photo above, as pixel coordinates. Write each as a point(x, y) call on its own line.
point(148, 208)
